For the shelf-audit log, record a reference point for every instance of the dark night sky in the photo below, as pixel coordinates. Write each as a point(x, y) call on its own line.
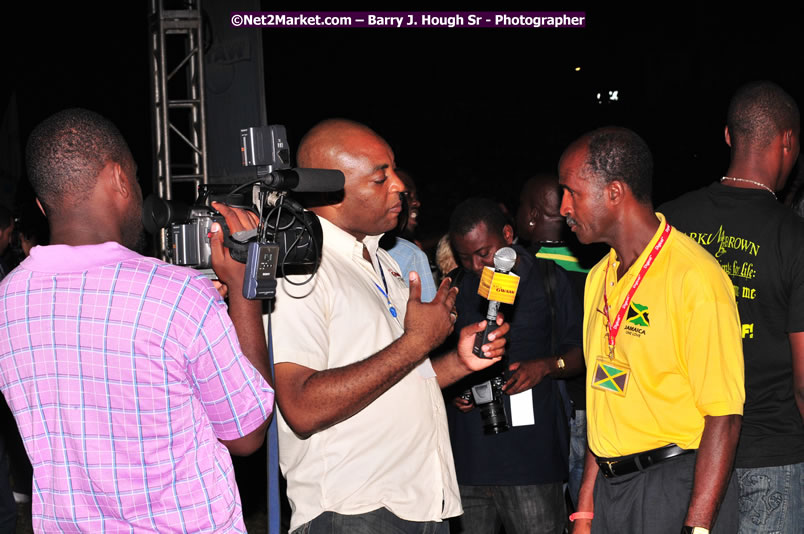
point(467, 111)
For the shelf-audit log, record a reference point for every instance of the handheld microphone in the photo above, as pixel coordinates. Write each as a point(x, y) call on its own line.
point(498, 286)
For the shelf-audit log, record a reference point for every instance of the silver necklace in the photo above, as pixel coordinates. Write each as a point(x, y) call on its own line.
point(759, 184)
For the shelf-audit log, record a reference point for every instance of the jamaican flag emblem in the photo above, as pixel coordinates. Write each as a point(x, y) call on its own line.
point(638, 315)
point(611, 376)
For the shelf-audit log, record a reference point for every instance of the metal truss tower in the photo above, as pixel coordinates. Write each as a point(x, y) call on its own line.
point(178, 101)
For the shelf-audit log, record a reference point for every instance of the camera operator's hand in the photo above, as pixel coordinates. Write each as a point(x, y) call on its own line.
point(526, 375)
point(229, 270)
point(463, 405)
point(430, 323)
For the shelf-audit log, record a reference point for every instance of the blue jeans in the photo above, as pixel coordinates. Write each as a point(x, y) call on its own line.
point(772, 499)
point(379, 521)
point(522, 509)
point(577, 454)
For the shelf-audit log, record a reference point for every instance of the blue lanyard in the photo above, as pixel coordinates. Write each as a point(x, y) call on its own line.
point(391, 308)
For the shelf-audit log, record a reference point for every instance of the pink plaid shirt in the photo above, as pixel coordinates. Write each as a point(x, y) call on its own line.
point(123, 374)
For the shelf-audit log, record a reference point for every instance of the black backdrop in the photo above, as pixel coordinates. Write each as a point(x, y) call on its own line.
point(465, 110)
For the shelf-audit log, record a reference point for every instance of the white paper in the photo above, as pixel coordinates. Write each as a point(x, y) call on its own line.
point(522, 408)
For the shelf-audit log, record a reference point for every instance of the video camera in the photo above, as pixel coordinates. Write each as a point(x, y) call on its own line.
point(288, 239)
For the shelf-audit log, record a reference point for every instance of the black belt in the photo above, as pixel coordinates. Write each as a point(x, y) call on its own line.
point(617, 467)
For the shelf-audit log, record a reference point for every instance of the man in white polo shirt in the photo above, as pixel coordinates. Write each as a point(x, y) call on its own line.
point(363, 435)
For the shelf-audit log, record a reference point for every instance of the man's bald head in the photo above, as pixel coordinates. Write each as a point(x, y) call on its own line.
point(758, 112)
point(538, 218)
point(320, 146)
point(538, 187)
point(371, 203)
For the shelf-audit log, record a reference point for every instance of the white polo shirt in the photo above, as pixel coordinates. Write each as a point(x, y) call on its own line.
point(395, 453)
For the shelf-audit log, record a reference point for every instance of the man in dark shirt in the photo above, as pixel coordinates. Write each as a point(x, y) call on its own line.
point(544, 232)
point(760, 245)
point(513, 477)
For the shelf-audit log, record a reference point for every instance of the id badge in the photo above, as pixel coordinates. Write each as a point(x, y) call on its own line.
point(611, 376)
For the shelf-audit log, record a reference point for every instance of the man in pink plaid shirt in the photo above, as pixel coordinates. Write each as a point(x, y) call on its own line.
point(125, 374)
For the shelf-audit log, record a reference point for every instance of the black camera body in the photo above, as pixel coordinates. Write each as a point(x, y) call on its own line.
point(288, 239)
point(489, 398)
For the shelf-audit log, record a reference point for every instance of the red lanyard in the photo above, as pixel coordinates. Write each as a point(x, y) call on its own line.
point(614, 328)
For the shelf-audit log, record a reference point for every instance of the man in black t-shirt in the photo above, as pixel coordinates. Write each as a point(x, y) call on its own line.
point(760, 245)
point(515, 477)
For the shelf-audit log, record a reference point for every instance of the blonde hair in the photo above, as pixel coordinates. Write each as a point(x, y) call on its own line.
point(445, 259)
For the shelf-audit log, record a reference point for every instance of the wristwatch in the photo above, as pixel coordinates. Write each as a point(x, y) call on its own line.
point(560, 365)
point(686, 529)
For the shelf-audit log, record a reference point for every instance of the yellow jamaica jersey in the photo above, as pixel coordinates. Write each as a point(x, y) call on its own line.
point(678, 354)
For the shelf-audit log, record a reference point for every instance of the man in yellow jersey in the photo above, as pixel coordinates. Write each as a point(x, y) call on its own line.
point(663, 354)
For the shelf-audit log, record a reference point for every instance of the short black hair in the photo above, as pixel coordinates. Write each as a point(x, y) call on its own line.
point(620, 154)
point(66, 152)
point(472, 211)
point(758, 112)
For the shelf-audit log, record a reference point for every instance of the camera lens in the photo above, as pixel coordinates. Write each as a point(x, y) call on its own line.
point(493, 417)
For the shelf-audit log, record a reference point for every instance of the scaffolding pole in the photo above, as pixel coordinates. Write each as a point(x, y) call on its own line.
point(178, 100)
